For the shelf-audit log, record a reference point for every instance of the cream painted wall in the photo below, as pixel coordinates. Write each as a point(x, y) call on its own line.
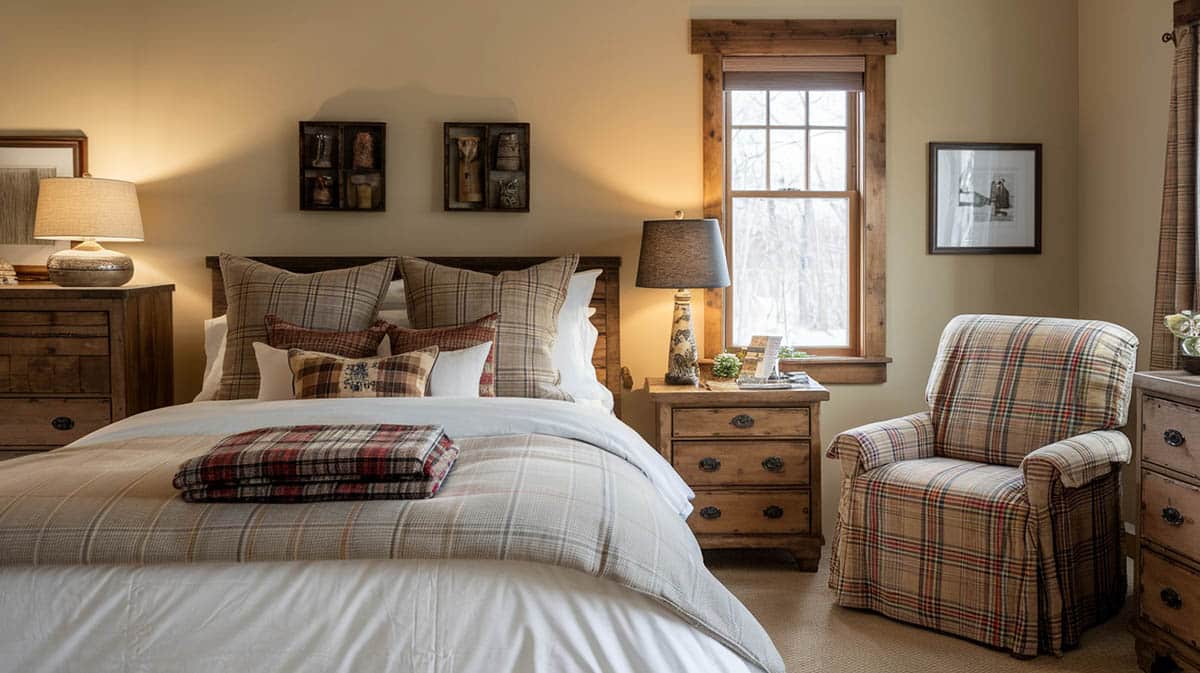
point(199, 105)
point(1122, 147)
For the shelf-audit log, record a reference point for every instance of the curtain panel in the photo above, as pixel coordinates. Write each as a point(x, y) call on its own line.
point(1175, 282)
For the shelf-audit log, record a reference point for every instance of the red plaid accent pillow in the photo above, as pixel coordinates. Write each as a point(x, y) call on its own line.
point(320, 375)
point(358, 344)
point(453, 338)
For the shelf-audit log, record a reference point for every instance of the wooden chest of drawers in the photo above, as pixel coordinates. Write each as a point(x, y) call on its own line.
point(1167, 625)
point(754, 460)
point(73, 360)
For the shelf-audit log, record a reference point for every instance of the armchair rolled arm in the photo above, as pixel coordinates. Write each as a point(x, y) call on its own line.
point(875, 444)
point(1075, 462)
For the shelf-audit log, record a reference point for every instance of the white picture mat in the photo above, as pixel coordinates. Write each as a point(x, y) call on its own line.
point(62, 160)
point(977, 226)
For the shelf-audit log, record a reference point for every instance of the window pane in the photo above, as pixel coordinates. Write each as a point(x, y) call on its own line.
point(748, 107)
point(827, 108)
point(787, 159)
point(828, 160)
point(787, 108)
point(748, 159)
point(791, 270)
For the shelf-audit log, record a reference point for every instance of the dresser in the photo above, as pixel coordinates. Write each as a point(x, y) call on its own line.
point(1167, 461)
point(754, 460)
point(73, 360)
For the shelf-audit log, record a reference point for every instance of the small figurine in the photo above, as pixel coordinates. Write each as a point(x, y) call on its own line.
point(364, 150)
point(321, 196)
point(468, 170)
point(508, 152)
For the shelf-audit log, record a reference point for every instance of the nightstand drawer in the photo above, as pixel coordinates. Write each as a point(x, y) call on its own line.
point(1171, 435)
point(44, 421)
point(51, 333)
point(742, 462)
point(1170, 597)
point(740, 422)
point(1169, 513)
point(87, 374)
point(750, 512)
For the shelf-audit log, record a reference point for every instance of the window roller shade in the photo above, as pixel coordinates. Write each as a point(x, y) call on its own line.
point(813, 73)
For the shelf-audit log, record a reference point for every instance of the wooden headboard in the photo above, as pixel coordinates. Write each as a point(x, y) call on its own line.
point(606, 299)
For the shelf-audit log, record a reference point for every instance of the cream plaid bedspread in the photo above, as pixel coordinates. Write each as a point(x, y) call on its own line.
point(519, 497)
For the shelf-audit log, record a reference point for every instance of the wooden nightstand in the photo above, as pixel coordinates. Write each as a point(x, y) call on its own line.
point(73, 360)
point(754, 460)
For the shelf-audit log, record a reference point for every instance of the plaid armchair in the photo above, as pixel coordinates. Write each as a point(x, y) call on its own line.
point(995, 515)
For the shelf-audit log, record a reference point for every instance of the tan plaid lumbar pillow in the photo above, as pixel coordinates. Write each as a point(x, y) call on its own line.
point(527, 302)
point(343, 300)
point(320, 375)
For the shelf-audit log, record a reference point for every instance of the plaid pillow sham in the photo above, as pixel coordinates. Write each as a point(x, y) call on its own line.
point(342, 300)
point(453, 338)
point(527, 302)
point(323, 376)
point(357, 344)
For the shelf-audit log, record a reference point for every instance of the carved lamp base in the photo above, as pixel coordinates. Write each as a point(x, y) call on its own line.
point(681, 359)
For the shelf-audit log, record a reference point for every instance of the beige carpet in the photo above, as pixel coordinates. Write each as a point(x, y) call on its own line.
point(814, 635)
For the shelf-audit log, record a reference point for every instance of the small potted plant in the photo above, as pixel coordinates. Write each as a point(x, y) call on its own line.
point(1185, 325)
point(726, 366)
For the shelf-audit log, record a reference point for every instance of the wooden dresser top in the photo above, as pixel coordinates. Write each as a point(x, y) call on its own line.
point(1174, 382)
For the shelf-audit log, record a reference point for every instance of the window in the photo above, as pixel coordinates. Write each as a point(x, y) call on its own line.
point(794, 132)
point(792, 217)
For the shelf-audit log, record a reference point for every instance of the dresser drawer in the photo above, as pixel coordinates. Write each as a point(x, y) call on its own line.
point(23, 374)
point(740, 422)
point(53, 333)
point(741, 462)
point(750, 512)
point(43, 421)
point(1169, 514)
point(1170, 597)
point(1171, 435)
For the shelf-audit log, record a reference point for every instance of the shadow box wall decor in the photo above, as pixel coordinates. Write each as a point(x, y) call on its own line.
point(342, 166)
point(486, 166)
point(985, 198)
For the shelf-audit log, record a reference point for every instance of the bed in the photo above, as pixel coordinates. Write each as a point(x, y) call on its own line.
point(558, 543)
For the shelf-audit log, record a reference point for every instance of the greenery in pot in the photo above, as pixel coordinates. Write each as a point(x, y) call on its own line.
point(726, 366)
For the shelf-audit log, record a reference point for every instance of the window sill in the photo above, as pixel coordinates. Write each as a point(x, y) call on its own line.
point(831, 369)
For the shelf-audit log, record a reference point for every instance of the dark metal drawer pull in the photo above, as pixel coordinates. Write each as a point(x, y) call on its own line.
point(62, 423)
point(1172, 516)
point(710, 464)
point(1173, 437)
point(773, 512)
point(710, 512)
point(742, 421)
point(772, 464)
point(1171, 598)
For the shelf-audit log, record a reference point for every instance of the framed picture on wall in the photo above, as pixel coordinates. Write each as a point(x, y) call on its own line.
point(985, 198)
point(24, 160)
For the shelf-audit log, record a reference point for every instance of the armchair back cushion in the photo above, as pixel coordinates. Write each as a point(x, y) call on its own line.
point(1003, 386)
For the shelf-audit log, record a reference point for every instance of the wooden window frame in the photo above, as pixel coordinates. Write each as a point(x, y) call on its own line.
point(873, 40)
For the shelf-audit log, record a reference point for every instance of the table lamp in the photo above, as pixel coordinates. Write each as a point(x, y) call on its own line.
point(682, 254)
point(91, 210)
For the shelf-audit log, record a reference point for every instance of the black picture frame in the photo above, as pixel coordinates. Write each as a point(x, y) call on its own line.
point(980, 201)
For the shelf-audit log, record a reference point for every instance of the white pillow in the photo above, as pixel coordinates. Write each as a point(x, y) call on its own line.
point(455, 373)
point(576, 341)
point(394, 299)
point(215, 330)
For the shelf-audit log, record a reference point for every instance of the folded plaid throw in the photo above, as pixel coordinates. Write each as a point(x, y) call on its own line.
point(309, 463)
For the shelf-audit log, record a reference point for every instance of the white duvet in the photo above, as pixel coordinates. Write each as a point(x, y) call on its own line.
point(420, 616)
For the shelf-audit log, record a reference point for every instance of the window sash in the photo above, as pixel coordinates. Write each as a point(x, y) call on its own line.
point(852, 194)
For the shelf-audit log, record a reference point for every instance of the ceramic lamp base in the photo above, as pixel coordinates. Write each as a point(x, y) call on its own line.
point(681, 358)
point(89, 265)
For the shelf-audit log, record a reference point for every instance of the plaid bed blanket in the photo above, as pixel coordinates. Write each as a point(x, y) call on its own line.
point(424, 483)
point(534, 498)
point(318, 453)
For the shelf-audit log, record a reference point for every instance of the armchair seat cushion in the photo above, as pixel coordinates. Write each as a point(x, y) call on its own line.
point(943, 543)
